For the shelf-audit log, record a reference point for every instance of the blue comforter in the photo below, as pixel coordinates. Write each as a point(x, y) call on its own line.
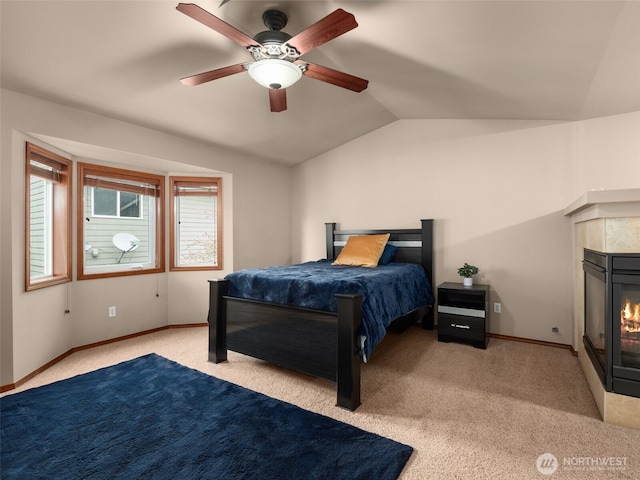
point(388, 291)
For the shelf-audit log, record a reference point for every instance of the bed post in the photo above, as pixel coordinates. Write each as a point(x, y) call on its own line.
point(217, 321)
point(330, 228)
point(427, 263)
point(348, 372)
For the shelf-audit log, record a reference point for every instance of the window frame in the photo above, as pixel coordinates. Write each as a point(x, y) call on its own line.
point(158, 181)
point(174, 182)
point(61, 176)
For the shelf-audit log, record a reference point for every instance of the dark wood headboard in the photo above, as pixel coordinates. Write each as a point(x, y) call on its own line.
point(415, 245)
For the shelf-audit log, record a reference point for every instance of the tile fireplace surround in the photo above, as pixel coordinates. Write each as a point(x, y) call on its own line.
point(606, 221)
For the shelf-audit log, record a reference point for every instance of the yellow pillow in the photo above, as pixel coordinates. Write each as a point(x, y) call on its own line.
point(362, 250)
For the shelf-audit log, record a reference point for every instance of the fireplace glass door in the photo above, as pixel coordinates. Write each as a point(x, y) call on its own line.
point(595, 314)
point(627, 322)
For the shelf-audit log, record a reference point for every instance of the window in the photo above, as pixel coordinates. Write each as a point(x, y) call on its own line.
point(47, 218)
point(196, 220)
point(120, 222)
point(112, 203)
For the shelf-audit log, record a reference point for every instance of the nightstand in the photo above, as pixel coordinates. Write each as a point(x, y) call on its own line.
point(463, 314)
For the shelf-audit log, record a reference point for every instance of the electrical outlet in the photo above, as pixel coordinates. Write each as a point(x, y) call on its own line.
point(112, 311)
point(554, 329)
point(497, 308)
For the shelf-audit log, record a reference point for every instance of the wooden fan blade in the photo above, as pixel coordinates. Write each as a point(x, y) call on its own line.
point(330, 27)
point(213, 22)
point(194, 80)
point(335, 77)
point(278, 99)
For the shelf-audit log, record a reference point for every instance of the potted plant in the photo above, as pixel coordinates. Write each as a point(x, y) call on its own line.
point(467, 272)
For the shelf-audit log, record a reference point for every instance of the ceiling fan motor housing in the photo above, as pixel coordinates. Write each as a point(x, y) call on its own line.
point(271, 37)
point(273, 40)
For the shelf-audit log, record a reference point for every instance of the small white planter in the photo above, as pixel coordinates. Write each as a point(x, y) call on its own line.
point(467, 281)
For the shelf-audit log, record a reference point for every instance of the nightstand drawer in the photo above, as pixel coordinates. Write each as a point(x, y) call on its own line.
point(461, 327)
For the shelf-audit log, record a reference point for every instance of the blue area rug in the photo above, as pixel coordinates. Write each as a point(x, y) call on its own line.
point(153, 418)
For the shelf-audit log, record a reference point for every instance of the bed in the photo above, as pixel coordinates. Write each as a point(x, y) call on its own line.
point(329, 339)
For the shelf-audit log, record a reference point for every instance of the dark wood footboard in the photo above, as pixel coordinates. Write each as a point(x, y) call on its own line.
point(322, 344)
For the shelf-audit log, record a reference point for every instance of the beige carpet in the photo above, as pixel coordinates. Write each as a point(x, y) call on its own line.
point(469, 413)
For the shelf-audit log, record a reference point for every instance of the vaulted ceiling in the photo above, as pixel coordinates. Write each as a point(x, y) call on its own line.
point(550, 60)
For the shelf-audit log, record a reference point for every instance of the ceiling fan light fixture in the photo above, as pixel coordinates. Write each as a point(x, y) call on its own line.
point(275, 73)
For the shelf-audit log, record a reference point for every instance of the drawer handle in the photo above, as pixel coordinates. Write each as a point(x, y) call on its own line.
point(461, 326)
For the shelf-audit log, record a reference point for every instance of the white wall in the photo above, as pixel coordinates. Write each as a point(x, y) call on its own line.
point(34, 328)
point(497, 190)
point(607, 154)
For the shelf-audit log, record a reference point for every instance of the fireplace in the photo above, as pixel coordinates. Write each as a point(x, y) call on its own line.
point(612, 319)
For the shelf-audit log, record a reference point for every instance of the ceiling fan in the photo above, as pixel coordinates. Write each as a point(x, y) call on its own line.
point(276, 54)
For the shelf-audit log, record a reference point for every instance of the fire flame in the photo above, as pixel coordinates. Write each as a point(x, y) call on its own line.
point(630, 318)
